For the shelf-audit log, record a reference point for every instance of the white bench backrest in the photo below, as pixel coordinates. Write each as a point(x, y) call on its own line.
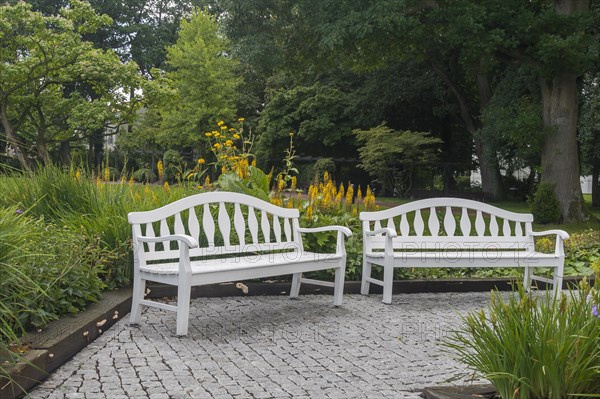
point(449, 224)
point(223, 223)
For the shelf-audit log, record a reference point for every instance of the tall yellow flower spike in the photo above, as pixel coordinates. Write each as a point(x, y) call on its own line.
point(349, 195)
point(161, 172)
point(294, 183)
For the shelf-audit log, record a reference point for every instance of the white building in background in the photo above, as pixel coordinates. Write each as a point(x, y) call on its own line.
point(586, 181)
point(586, 184)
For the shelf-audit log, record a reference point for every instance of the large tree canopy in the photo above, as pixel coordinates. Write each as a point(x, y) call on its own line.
point(198, 89)
point(43, 61)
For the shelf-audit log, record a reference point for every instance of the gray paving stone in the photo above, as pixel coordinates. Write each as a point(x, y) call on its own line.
point(271, 347)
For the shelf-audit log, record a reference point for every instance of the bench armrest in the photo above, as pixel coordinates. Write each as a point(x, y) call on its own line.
point(189, 240)
point(340, 247)
point(561, 233)
point(389, 232)
point(341, 229)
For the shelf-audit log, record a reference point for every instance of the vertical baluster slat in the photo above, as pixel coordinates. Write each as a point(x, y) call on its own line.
point(287, 228)
point(390, 224)
point(479, 224)
point(276, 229)
point(377, 225)
point(493, 226)
point(179, 229)
point(164, 231)
point(418, 223)
point(150, 233)
point(253, 224)
point(506, 231)
point(240, 225)
point(404, 227)
point(449, 222)
point(265, 226)
point(224, 224)
point(434, 223)
point(465, 223)
point(208, 224)
point(518, 229)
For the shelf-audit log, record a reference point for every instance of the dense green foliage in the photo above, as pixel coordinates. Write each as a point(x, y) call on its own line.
point(544, 205)
point(391, 156)
point(532, 346)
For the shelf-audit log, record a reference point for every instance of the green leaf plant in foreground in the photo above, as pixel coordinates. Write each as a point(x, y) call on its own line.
point(533, 346)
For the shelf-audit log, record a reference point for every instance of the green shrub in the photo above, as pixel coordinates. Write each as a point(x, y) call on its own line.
point(172, 163)
point(321, 166)
point(545, 206)
point(144, 175)
point(533, 346)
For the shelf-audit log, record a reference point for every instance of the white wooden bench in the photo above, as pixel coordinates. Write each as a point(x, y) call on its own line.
point(457, 233)
point(181, 244)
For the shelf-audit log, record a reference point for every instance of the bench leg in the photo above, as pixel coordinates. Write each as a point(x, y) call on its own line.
point(139, 287)
point(338, 289)
point(295, 290)
point(527, 278)
point(388, 283)
point(558, 280)
point(183, 308)
point(366, 273)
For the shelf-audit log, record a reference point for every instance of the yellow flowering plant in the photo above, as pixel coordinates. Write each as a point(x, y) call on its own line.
point(233, 157)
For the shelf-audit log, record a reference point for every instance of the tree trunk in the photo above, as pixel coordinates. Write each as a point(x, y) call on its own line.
point(65, 153)
point(560, 159)
point(491, 179)
point(11, 139)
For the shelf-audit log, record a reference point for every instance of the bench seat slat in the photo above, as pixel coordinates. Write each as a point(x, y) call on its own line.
point(242, 262)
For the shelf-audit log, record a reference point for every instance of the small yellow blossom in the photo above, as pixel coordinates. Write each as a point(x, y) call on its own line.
point(236, 136)
point(241, 119)
point(207, 181)
point(220, 123)
point(201, 161)
point(78, 175)
point(228, 143)
point(166, 187)
point(131, 181)
point(224, 127)
point(208, 134)
point(217, 146)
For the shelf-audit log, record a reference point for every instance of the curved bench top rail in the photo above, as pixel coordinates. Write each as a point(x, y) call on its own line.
point(442, 203)
point(214, 197)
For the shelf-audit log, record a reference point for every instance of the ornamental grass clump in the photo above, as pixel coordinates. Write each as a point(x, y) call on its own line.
point(532, 346)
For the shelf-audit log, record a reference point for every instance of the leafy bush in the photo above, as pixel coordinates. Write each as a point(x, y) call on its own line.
point(321, 166)
point(144, 175)
point(545, 206)
point(532, 346)
point(172, 160)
